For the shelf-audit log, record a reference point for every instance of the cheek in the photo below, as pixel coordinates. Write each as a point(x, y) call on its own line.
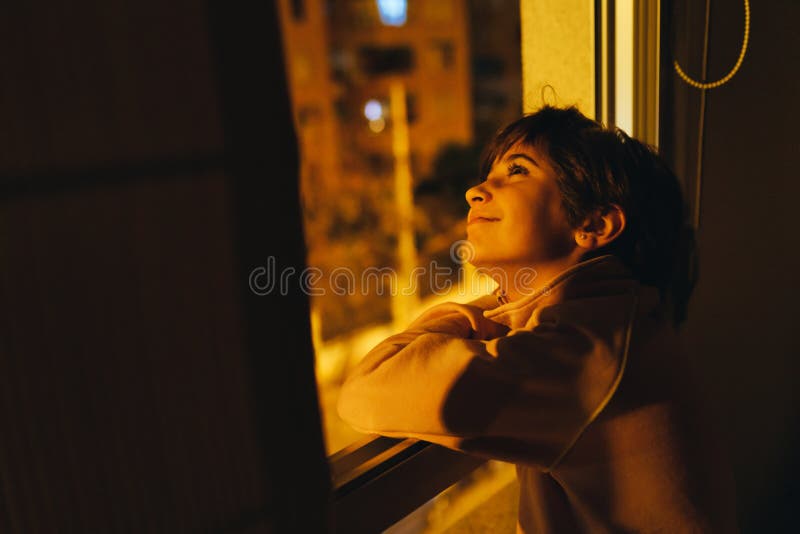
point(528, 227)
point(533, 215)
point(553, 212)
point(546, 223)
point(534, 228)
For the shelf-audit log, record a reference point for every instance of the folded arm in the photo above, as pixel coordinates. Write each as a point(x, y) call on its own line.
point(460, 380)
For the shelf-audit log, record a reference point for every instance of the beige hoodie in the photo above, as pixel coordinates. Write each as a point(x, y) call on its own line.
point(582, 385)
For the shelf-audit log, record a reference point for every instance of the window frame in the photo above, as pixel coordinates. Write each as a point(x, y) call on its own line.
point(378, 481)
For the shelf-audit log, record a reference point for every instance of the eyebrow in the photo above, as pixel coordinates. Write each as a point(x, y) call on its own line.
point(523, 156)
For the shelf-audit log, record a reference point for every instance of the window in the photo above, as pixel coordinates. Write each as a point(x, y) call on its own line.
point(488, 66)
point(446, 53)
point(307, 115)
point(456, 65)
point(298, 9)
point(376, 61)
point(357, 69)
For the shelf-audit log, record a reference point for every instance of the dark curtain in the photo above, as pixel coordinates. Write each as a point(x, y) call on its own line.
point(741, 328)
point(148, 164)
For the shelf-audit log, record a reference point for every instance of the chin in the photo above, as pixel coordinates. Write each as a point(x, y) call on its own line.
point(480, 252)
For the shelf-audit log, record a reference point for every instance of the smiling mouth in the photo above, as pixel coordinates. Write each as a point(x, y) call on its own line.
point(481, 220)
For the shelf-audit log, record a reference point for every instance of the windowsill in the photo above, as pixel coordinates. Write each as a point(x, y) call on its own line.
point(380, 480)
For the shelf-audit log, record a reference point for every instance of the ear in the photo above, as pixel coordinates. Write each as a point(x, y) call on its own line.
point(601, 228)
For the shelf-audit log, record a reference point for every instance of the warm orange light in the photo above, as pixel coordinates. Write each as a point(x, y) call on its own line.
point(377, 125)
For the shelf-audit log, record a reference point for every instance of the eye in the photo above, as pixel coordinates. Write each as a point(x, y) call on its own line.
point(516, 168)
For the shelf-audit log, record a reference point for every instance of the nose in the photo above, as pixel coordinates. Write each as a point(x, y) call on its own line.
point(478, 194)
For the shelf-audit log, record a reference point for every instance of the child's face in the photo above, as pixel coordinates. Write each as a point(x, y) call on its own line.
point(515, 217)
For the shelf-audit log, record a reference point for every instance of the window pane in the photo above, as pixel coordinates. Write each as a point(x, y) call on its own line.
point(392, 109)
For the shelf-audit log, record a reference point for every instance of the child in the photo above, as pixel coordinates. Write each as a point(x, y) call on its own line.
point(575, 375)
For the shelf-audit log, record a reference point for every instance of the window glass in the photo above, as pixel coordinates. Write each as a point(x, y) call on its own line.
point(393, 101)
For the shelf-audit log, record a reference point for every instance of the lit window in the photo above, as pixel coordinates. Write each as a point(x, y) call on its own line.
point(392, 12)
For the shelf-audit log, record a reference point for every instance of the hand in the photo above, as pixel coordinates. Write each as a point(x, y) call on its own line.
point(483, 328)
point(453, 323)
point(460, 320)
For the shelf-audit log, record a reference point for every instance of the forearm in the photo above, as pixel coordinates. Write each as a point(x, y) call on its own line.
point(458, 321)
point(402, 382)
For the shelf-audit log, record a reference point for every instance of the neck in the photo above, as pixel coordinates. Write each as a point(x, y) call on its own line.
point(520, 281)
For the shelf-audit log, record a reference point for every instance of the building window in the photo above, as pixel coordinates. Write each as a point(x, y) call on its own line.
point(298, 10)
point(446, 53)
point(307, 115)
point(376, 61)
point(486, 66)
point(412, 110)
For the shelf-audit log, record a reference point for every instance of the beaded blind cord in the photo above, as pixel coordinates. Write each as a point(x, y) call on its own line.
point(725, 79)
point(703, 86)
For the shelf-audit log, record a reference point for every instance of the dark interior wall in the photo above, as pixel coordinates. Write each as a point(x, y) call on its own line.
point(147, 164)
point(742, 321)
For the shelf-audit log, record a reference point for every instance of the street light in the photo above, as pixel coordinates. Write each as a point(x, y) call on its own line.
point(373, 111)
point(392, 12)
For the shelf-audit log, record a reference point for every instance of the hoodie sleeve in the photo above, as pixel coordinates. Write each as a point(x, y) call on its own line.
point(460, 380)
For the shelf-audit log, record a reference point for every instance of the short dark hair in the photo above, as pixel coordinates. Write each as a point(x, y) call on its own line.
point(597, 167)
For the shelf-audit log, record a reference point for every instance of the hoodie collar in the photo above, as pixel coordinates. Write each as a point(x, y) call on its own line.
point(602, 275)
